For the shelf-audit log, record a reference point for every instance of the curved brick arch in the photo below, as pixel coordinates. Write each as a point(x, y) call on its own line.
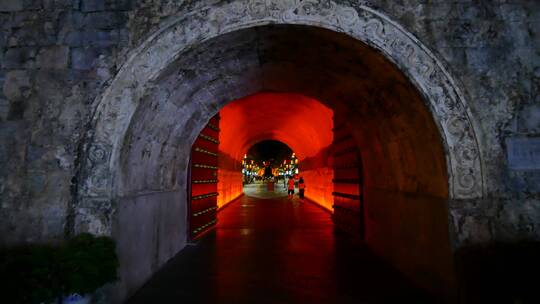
point(118, 103)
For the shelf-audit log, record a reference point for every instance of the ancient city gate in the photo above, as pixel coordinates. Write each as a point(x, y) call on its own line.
point(120, 132)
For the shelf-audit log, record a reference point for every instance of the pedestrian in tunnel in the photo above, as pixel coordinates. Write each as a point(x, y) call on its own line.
point(301, 187)
point(290, 187)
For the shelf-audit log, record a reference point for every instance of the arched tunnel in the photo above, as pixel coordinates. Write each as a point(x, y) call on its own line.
point(302, 123)
point(322, 93)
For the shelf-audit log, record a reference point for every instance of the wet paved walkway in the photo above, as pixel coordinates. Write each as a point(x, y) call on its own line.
point(276, 251)
point(258, 190)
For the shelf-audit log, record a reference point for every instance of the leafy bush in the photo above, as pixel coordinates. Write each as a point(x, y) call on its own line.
point(30, 274)
point(89, 262)
point(42, 273)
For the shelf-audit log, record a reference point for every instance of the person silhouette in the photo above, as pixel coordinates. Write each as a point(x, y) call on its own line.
point(290, 187)
point(301, 187)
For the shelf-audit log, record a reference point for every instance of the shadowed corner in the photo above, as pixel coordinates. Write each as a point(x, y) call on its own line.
point(499, 272)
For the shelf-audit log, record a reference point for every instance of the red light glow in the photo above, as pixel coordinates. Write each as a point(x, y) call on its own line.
point(302, 123)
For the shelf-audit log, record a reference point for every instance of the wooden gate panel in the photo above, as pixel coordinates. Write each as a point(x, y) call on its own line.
point(203, 180)
point(348, 197)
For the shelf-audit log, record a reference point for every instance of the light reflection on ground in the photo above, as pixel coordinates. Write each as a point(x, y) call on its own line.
point(258, 189)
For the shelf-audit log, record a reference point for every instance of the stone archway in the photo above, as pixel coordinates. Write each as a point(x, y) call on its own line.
point(447, 103)
point(100, 181)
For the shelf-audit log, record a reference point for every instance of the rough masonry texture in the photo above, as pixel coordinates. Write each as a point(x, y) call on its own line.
point(78, 78)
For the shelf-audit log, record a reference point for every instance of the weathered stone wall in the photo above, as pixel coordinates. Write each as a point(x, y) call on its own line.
point(493, 49)
point(57, 57)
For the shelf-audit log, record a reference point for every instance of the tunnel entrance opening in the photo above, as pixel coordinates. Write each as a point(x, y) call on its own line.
point(302, 123)
point(384, 90)
point(387, 205)
point(265, 168)
point(266, 161)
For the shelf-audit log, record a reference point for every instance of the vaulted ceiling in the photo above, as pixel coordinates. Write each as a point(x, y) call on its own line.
point(302, 123)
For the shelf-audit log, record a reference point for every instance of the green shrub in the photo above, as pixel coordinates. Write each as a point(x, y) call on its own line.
point(30, 274)
point(89, 262)
point(42, 273)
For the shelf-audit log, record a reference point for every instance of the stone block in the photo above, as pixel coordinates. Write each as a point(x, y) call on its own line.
point(73, 38)
point(54, 4)
point(93, 5)
point(33, 4)
point(104, 20)
point(84, 58)
point(37, 182)
point(4, 109)
point(11, 5)
point(31, 35)
point(16, 110)
point(18, 58)
point(523, 153)
point(53, 57)
point(102, 5)
point(13, 141)
point(529, 118)
point(102, 38)
point(93, 38)
point(3, 38)
point(15, 84)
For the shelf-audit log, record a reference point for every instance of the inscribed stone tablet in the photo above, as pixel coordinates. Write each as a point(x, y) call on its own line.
point(523, 153)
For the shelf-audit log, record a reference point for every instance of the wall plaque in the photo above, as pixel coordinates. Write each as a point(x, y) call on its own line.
point(523, 153)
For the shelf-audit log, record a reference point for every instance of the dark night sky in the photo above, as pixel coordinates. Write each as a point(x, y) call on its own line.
point(270, 149)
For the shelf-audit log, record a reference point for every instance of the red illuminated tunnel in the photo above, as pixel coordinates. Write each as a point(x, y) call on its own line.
point(302, 123)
